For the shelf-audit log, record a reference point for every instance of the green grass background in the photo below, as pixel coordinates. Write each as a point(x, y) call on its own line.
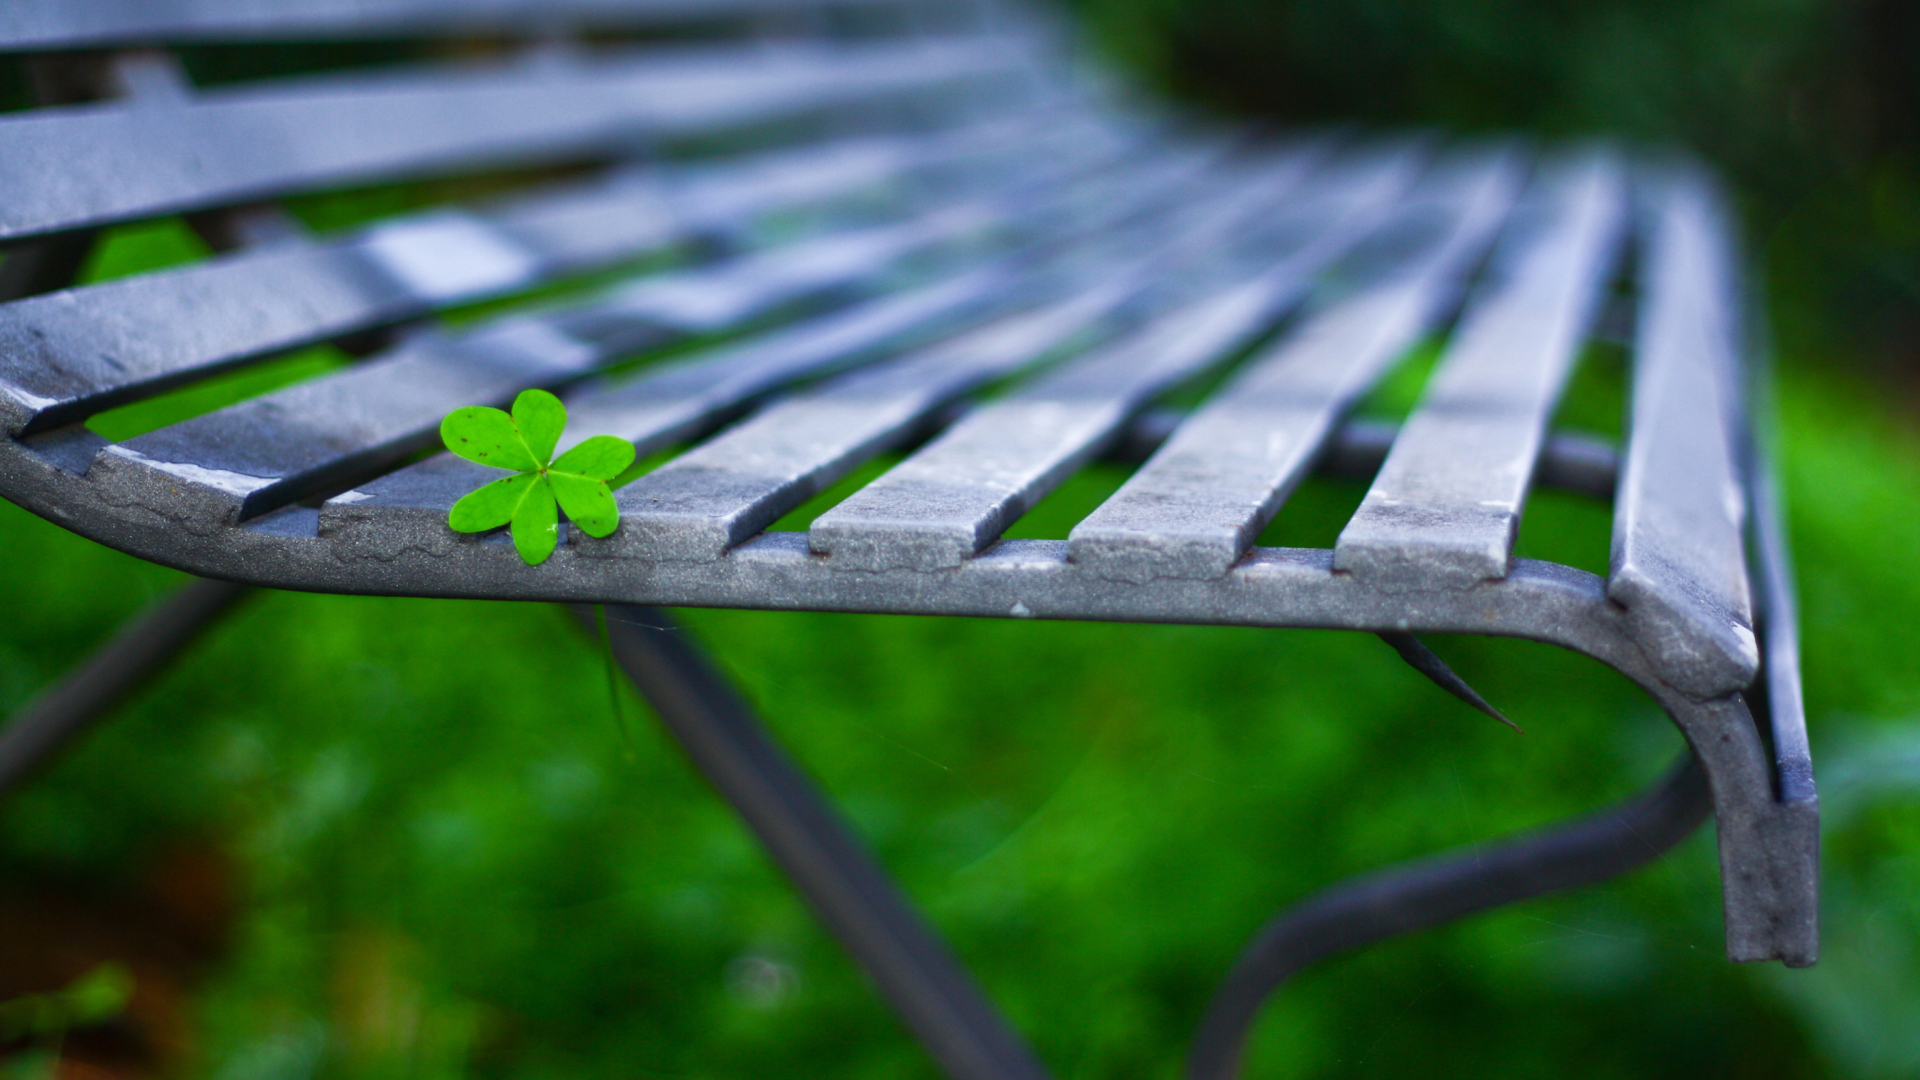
point(455, 861)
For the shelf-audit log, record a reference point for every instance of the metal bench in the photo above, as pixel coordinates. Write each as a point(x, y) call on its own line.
point(908, 228)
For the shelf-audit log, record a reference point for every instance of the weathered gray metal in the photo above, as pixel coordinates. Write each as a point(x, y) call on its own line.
point(1195, 508)
point(88, 349)
point(977, 255)
point(35, 25)
point(90, 165)
point(1436, 891)
point(1679, 563)
point(1445, 507)
point(952, 498)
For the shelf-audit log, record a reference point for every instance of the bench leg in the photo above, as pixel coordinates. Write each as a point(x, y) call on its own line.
point(842, 882)
point(1429, 893)
point(146, 644)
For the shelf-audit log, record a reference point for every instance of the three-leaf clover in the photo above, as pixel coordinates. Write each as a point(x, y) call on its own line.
point(524, 442)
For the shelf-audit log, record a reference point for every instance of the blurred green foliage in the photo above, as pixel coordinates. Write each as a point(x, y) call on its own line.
point(455, 866)
point(44, 1019)
point(98, 995)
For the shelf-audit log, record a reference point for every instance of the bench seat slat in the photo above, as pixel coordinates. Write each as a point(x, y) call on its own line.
point(641, 208)
point(1071, 189)
point(721, 493)
point(725, 491)
point(253, 457)
point(1446, 505)
point(678, 401)
point(658, 408)
point(1678, 563)
point(249, 458)
point(66, 355)
point(37, 25)
point(91, 165)
point(957, 494)
point(1196, 506)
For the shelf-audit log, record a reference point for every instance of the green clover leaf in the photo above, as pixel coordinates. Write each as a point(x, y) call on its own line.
point(530, 500)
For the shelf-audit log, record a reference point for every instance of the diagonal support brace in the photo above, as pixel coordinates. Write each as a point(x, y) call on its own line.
point(844, 885)
point(1417, 896)
point(139, 650)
